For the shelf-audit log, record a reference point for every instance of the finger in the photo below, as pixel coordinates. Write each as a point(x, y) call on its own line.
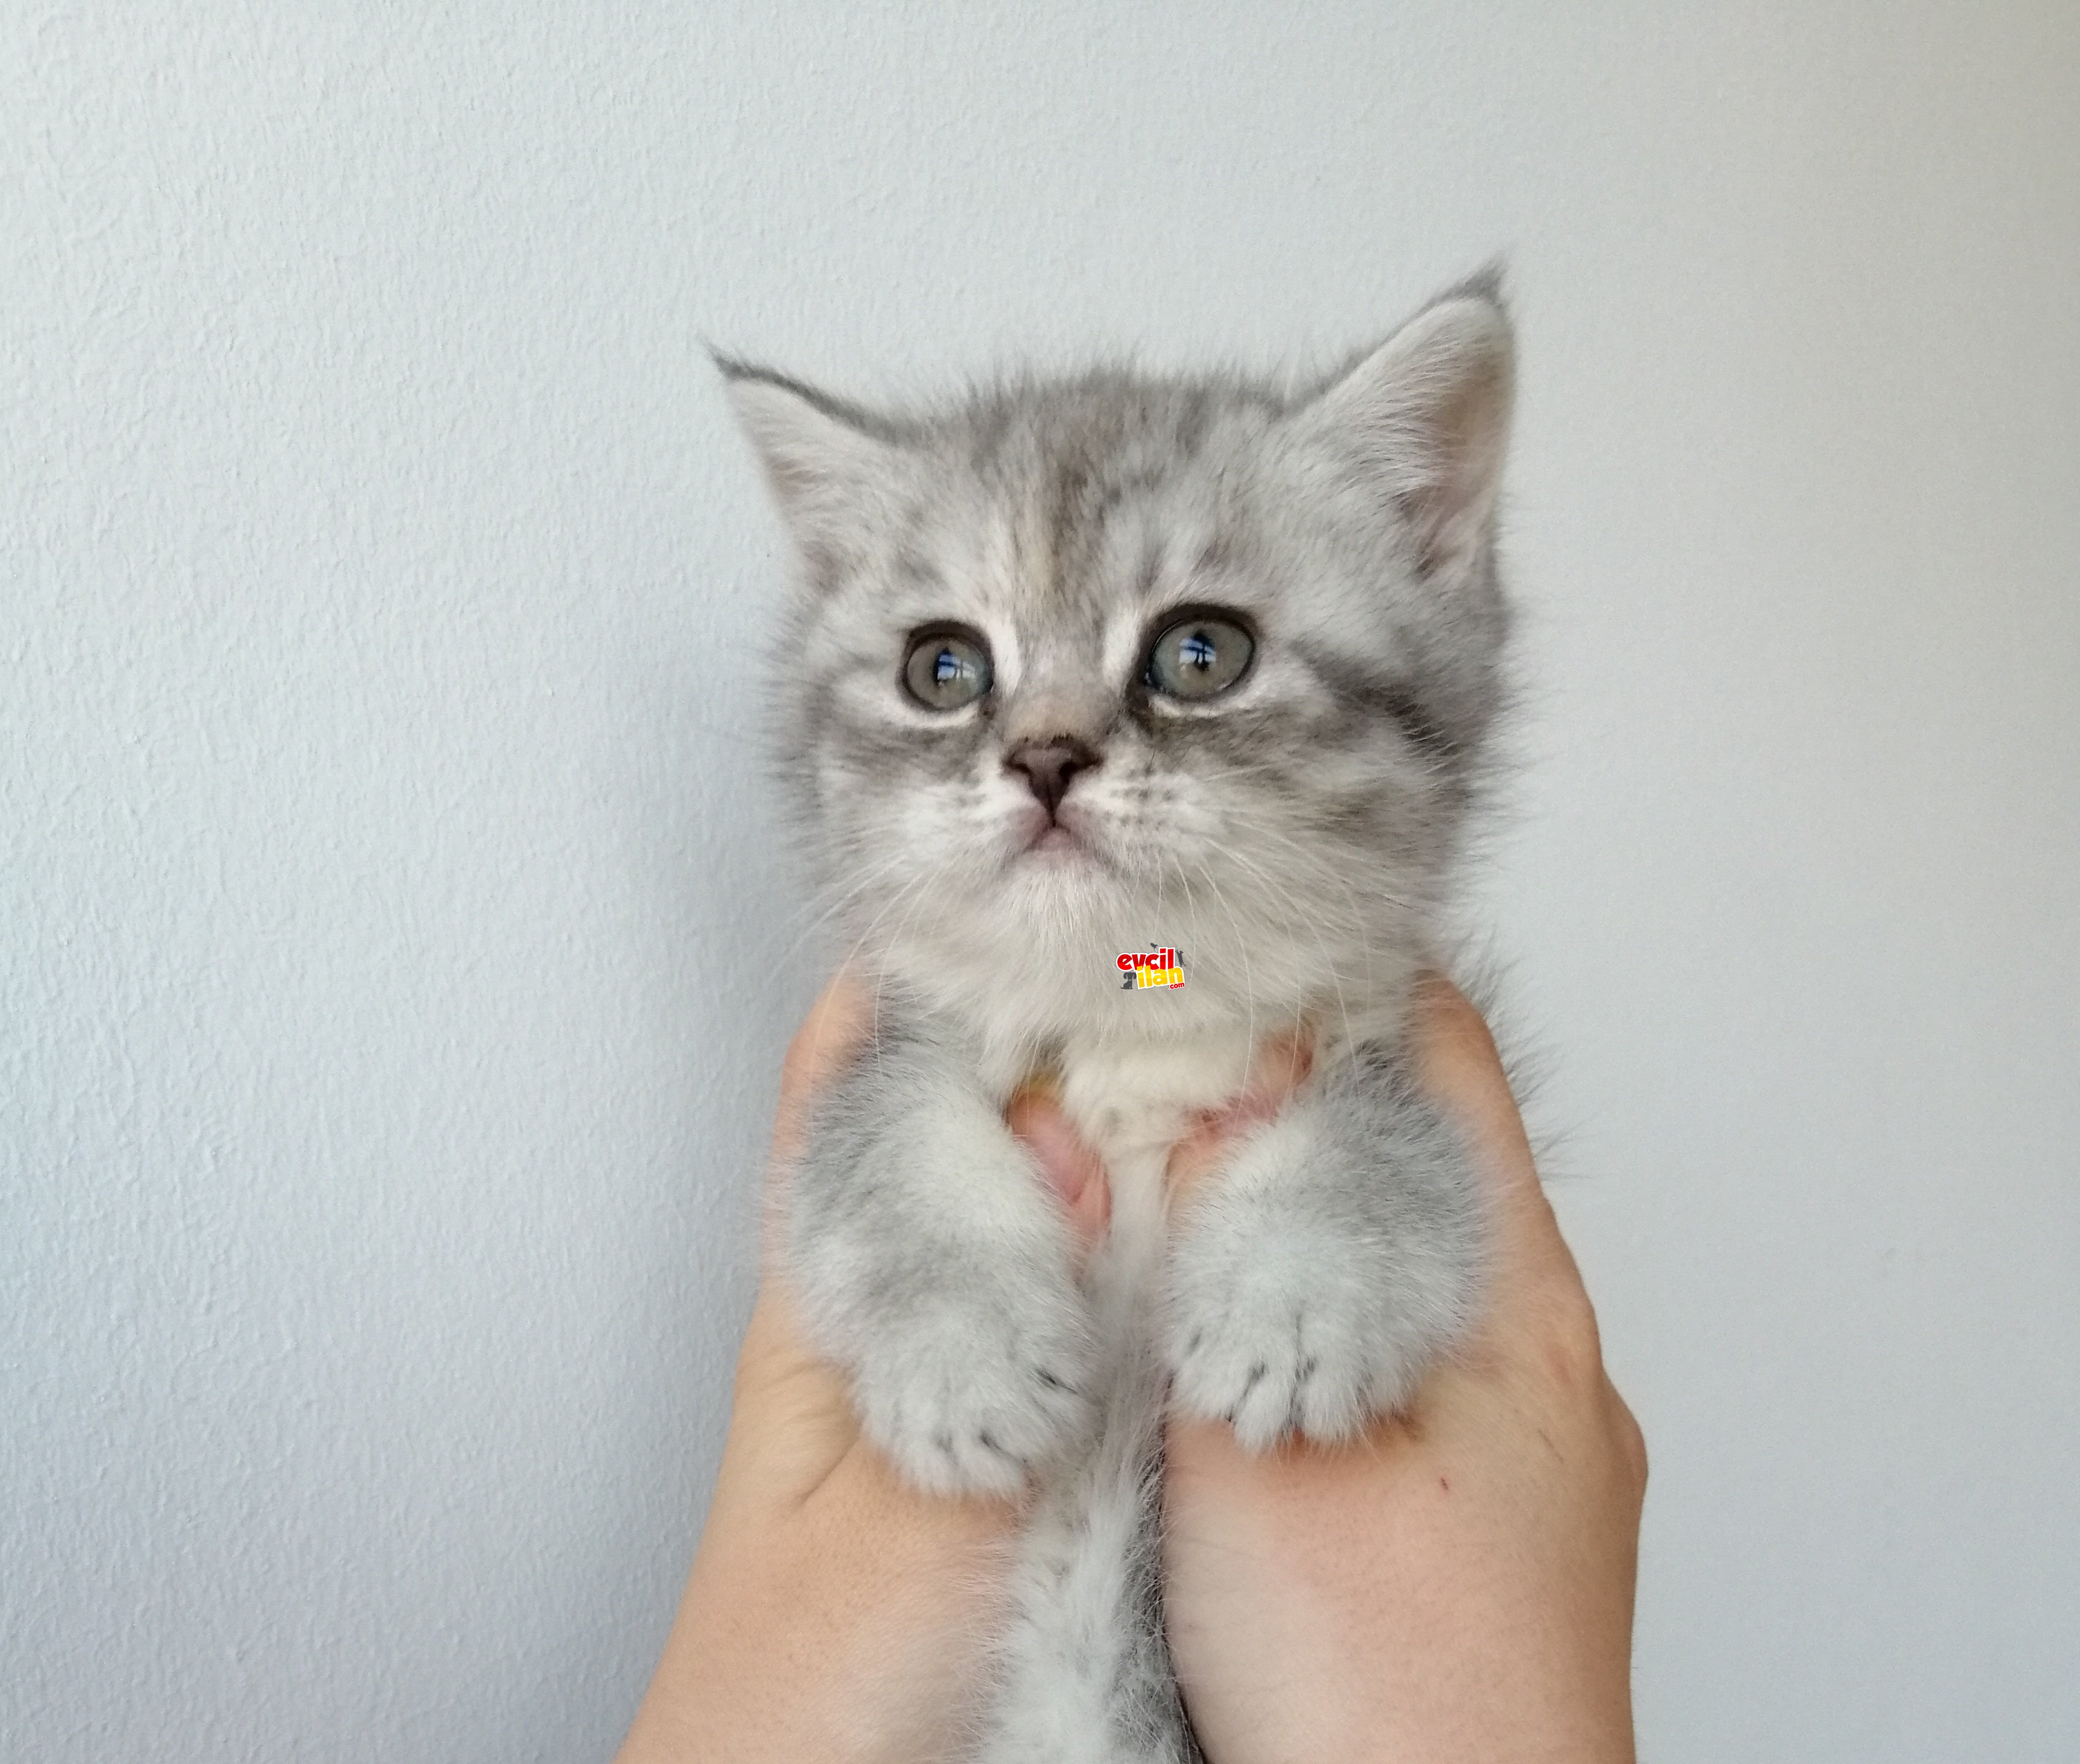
point(830, 1036)
point(787, 1399)
point(793, 1418)
point(1072, 1170)
point(1278, 1068)
point(1459, 1065)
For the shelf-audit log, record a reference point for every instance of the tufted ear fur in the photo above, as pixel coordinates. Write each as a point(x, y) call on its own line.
point(834, 467)
point(1426, 415)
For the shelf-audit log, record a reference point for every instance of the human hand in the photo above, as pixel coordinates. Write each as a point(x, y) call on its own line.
point(1458, 1583)
point(1321, 1603)
point(833, 1612)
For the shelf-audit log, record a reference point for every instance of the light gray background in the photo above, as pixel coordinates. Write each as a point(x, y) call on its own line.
point(396, 947)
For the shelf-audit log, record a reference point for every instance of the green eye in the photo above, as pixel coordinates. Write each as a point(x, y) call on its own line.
point(1200, 657)
point(947, 669)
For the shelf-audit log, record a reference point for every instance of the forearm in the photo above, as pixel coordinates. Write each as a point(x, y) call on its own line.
point(1408, 1599)
point(832, 1612)
point(1457, 1583)
point(854, 1633)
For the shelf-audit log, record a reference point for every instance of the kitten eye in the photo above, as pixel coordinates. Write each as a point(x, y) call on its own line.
point(947, 669)
point(1199, 658)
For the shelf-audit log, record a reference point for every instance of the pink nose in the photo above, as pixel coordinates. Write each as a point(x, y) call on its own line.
point(1050, 765)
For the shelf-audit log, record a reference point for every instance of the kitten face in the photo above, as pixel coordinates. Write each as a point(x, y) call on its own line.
point(1079, 667)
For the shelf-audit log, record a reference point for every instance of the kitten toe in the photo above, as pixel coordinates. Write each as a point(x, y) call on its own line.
point(970, 1398)
point(1279, 1329)
point(1271, 1363)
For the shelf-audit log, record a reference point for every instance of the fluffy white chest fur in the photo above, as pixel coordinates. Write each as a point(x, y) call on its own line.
point(1129, 1101)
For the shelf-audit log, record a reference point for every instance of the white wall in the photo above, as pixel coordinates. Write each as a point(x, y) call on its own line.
point(393, 940)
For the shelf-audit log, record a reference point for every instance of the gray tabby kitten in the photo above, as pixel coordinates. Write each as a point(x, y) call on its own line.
point(1087, 667)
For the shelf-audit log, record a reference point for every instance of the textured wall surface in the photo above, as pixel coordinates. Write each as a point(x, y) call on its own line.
point(396, 949)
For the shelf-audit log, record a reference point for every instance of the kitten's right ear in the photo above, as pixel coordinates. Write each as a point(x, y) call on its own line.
point(832, 467)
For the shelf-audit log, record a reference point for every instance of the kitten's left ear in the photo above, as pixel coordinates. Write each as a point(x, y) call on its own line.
point(1427, 416)
point(832, 467)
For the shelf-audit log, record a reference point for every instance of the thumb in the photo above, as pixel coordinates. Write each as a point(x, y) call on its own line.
point(792, 1420)
point(1072, 1169)
point(1279, 1067)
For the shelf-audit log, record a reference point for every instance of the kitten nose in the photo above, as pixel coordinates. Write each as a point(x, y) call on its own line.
point(1050, 765)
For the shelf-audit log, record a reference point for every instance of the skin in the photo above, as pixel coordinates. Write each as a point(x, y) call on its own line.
point(832, 1611)
point(1457, 1584)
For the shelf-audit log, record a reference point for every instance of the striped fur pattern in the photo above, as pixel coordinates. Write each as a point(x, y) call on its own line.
point(1293, 836)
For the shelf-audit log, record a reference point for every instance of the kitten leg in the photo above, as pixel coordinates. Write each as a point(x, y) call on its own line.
point(935, 1268)
point(1337, 1255)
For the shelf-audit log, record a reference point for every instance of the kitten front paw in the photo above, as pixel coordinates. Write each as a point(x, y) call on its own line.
point(979, 1386)
point(1271, 1331)
point(1293, 1310)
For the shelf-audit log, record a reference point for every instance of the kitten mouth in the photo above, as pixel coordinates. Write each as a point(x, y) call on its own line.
point(1057, 842)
